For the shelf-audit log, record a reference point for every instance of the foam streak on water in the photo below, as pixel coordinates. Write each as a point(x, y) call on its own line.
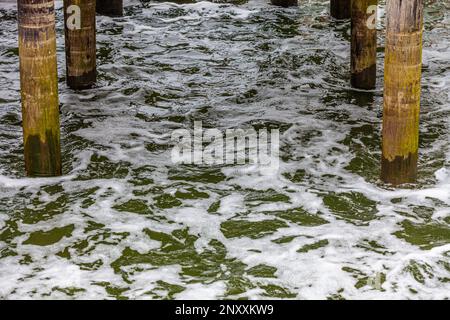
point(123, 222)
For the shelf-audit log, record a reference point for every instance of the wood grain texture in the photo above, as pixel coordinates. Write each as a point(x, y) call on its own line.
point(340, 9)
point(402, 76)
point(111, 8)
point(285, 3)
point(39, 87)
point(80, 44)
point(363, 46)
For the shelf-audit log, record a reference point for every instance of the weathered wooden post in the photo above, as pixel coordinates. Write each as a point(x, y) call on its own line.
point(340, 9)
point(112, 8)
point(79, 21)
point(39, 87)
point(364, 44)
point(402, 74)
point(285, 3)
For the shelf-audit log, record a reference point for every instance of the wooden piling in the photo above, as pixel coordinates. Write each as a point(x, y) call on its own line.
point(79, 21)
point(364, 44)
point(340, 9)
point(285, 3)
point(39, 87)
point(112, 8)
point(403, 63)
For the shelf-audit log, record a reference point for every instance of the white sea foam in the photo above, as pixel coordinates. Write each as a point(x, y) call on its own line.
point(133, 128)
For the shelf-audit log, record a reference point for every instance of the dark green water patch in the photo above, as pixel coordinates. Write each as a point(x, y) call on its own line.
point(86, 245)
point(165, 291)
point(352, 207)
point(46, 238)
point(214, 207)
point(142, 176)
point(113, 291)
point(196, 174)
point(262, 271)
point(177, 248)
point(100, 167)
point(26, 260)
point(69, 291)
point(364, 142)
point(337, 296)
point(313, 246)
point(156, 147)
point(425, 236)
point(423, 212)
point(372, 245)
point(250, 229)
point(10, 231)
point(274, 291)
point(7, 252)
point(419, 271)
point(295, 177)
point(362, 279)
point(160, 68)
point(257, 197)
point(91, 266)
point(166, 201)
point(286, 239)
point(301, 217)
point(38, 211)
point(135, 206)
point(35, 213)
point(88, 198)
point(190, 193)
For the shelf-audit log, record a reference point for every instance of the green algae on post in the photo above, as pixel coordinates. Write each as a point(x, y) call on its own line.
point(402, 75)
point(39, 87)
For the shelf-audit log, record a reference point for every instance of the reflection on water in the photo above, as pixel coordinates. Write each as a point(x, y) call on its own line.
point(125, 223)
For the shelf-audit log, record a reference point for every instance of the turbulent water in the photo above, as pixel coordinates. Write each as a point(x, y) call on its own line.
point(124, 222)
